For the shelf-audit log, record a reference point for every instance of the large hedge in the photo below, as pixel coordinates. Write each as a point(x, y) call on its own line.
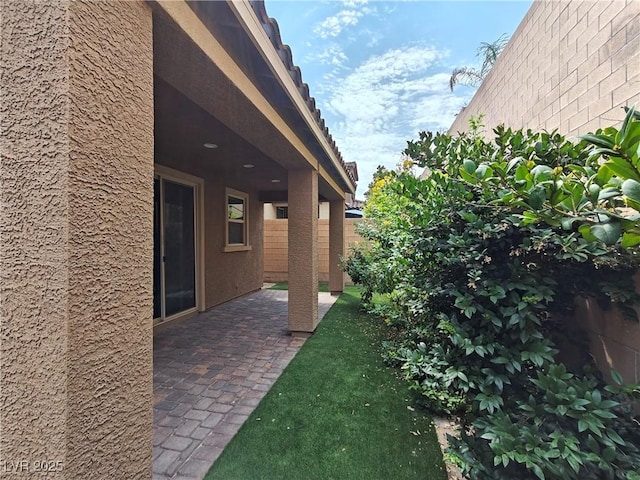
point(477, 261)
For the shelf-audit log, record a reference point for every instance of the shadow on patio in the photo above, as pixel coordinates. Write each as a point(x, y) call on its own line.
point(211, 371)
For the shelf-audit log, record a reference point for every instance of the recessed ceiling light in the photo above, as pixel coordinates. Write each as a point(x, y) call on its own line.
point(275, 180)
point(248, 165)
point(210, 145)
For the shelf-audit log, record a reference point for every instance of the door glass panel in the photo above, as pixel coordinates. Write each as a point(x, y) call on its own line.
point(179, 248)
point(157, 252)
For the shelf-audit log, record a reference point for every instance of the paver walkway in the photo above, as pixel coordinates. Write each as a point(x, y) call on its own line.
point(210, 372)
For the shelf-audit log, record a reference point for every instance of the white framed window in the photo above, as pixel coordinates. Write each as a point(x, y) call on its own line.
point(237, 221)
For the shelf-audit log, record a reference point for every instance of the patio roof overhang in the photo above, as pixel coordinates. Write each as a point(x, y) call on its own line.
point(222, 78)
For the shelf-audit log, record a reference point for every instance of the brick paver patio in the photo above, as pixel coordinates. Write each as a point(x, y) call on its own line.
point(210, 372)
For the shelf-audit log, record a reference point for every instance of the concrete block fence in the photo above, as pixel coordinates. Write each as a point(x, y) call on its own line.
point(276, 248)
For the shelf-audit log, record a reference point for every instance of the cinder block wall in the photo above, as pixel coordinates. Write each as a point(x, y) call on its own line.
point(614, 339)
point(570, 65)
point(323, 250)
point(276, 247)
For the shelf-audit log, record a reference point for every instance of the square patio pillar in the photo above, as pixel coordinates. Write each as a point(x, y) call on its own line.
point(76, 239)
point(303, 251)
point(336, 246)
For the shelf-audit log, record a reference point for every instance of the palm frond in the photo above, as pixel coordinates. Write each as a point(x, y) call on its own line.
point(465, 76)
point(489, 53)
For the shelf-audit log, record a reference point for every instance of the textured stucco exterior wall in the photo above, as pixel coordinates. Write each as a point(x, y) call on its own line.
point(110, 240)
point(34, 209)
point(336, 246)
point(276, 248)
point(76, 244)
point(230, 274)
point(227, 274)
point(323, 210)
point(303, 250)
point(570, 66)
point(269, 211)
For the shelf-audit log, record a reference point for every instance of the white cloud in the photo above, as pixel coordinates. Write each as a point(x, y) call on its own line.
point(334, 25)
point(354, 3)
point(436, 112)
point(383, 85)
point(349, 16)
point(372, 37)
point(386, 101)
point(332, 55)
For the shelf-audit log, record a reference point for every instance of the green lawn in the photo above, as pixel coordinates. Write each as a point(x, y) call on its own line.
point(337, 412)
point(322, 287)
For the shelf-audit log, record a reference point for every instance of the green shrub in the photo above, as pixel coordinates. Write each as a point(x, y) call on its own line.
point(477, 259)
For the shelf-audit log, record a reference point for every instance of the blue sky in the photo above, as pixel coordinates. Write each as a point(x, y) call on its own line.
point(379, 70)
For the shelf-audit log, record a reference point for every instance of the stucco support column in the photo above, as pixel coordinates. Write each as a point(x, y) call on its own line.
point(303, 251)
point(76, 233)
point(336, 246)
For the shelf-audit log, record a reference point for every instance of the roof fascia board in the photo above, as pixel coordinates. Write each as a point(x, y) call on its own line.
point(324, 174)
point(253, 27)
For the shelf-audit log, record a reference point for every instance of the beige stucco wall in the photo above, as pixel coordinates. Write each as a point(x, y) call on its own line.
point(336, 246)
point(276, 248)
point(227, 274)
point(303, 251)
point(230, 274)
point(270, 211)
point(33, 232)
point(76, 243)
point(570, 66)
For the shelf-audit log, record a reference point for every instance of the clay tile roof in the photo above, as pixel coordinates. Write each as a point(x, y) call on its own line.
point(270, 26)
point(353, 168)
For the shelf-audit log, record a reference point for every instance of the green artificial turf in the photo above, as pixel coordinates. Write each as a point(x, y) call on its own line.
point(322, 287)
point(336, 412)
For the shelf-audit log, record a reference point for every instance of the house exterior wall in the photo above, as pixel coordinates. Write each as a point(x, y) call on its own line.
point(109, 410)
point(270, 211)
point(234, 75)
point(276, 248)
point(336, 246)
point(76, 224)
point(76, 243)
point(569, 66)
point(34, 228)
point(227, 275)
point(323, 210)
point(303, 251)
point(230, 274)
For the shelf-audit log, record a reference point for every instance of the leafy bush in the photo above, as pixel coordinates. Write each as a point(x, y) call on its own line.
point(477, 259)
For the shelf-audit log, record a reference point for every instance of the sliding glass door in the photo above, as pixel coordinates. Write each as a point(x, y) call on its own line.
point(175, 259)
